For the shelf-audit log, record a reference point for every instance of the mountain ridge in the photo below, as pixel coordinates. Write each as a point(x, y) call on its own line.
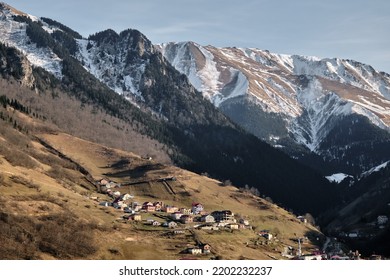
point(300, 99)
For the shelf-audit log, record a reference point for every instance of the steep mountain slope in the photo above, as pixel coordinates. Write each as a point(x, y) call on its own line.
point(167, 108)
point(323, 105)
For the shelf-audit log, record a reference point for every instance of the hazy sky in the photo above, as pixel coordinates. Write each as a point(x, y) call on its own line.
point(354, 29)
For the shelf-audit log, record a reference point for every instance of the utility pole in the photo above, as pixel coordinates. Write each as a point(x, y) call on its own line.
point(299, 247)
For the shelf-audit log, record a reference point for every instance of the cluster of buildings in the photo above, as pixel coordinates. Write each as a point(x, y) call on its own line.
point(175, 216)
point(178, 219)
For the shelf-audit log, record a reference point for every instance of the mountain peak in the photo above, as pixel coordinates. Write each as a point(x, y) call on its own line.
point(5, 7)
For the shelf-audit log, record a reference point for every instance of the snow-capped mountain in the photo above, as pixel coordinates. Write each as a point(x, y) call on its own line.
point(118, 60)
point(280, 98)
point(14, 34)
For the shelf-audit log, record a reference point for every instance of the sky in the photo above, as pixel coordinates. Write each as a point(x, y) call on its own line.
point(349, 29)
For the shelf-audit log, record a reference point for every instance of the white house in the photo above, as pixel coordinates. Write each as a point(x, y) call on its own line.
point(207, 219)
point(172, 224)
point(197, 208)
point(195, 251)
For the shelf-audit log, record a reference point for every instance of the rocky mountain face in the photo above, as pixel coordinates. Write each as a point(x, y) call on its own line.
point(320, 111)
point(126, 77)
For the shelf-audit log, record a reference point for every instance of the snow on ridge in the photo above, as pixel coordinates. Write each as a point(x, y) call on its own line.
point(14, 34)
point(308, 110)
point(338, 177)
point(111, 70)
point(206, 79)
point(374, 169)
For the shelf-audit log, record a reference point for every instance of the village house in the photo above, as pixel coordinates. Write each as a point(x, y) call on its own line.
point(136, 217)
point(197, 208)
point(116, 194)
point(172, 224)
point(233, 226)
point(206, 248)
point(127, 196)
point(136, 206)
point(186, 219)
point(223, 216)
point(170, 209)
point(103, 182)
point(148, 207)
point(158, 205)
point(207, 219)
point(185, 211)
point(123, 205)
point(195, 251)
point(156, 224)
point(176, 216)
point(266, 234)
point(302, 219)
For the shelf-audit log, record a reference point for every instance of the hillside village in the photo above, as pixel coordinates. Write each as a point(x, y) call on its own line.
point(173, 218)
point(176, 221)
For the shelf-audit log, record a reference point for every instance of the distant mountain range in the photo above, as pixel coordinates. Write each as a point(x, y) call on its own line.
point(336, 109)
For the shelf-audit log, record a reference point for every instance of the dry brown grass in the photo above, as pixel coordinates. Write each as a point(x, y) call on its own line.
point(60, 235)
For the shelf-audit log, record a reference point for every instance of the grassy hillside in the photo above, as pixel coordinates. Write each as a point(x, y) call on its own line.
point(50, 204)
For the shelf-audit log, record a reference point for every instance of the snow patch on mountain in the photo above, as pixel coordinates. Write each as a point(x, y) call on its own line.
point(338, 177)
point(319, 108)
point(13, 34)
point(184, 62)
point(240, 88)
point(111, 68)
point(209, 75)
point(375, 169)
point(206, 78)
